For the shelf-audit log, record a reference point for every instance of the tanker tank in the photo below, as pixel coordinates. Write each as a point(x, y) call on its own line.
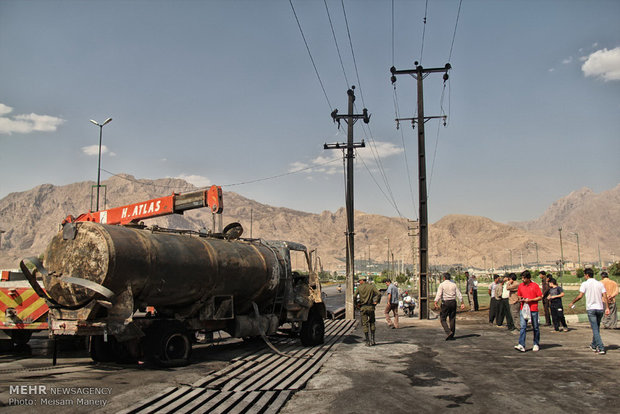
point(101, 278)
point(165, 270)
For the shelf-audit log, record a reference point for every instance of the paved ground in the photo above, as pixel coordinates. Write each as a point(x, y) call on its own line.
point(414, 369)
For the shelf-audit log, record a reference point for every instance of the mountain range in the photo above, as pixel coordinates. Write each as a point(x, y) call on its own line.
point(29, 219)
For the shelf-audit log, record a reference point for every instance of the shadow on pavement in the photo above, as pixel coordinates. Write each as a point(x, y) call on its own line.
point(466, 336)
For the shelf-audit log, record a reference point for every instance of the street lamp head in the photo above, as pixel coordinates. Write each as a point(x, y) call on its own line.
point(107, 121)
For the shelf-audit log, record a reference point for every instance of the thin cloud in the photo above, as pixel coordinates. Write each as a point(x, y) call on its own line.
point(26, 123)
point(384, 149)
point(94, 150)
point(326, 165)
point(197, 180)
point(603, 64)
point(567, 60)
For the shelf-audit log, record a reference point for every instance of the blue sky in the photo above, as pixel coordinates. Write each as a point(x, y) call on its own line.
point(224, 92)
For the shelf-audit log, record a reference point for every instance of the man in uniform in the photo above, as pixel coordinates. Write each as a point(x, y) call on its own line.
point(469, 289)
point(610, 321)
point(544, 281)
point(366, 299)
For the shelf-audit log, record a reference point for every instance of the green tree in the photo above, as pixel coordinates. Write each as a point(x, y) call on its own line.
point(614, 269)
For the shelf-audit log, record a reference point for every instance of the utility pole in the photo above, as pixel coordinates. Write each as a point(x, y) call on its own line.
point(350, 119)
point(419, 73)
point(413, 233)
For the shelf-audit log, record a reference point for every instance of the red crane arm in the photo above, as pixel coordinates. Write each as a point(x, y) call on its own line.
point(172, 204)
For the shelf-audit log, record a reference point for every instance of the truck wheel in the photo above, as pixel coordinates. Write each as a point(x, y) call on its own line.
point(101, 351)
point(19, 337)
point(169, 345)
point(313, 330)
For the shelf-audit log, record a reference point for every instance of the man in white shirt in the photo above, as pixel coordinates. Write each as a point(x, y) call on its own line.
point(448, 291)
point(596, 305)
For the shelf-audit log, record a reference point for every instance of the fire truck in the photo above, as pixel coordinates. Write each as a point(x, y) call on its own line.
point(143, 292)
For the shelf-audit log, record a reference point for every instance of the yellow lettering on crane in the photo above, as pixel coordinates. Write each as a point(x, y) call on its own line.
point(124, 213)
point(158, 205)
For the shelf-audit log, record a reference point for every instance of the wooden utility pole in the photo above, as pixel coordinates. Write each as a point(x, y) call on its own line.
point(350, 119)
point(419, 73)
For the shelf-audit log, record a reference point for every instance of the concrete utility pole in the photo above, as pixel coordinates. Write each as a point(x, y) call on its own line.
point(413, 233)
point(350, 119)
point(419, 73)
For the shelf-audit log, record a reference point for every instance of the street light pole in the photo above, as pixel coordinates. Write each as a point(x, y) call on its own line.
point(561, 257)
point(107, 121)
point(510, 250)
point(578, 251)
point(388, 256)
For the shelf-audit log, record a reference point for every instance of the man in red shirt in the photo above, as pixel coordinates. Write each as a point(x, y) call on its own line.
point(529, 294)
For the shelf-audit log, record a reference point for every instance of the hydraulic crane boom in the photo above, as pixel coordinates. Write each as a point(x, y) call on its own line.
point(172, 204)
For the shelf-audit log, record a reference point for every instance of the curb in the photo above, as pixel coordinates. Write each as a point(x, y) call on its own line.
point(582, 317)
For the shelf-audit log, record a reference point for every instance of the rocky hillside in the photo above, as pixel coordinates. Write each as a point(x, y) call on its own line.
point(595, 217)
point(30, 218)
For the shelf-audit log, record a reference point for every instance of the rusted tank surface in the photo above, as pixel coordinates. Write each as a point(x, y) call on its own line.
point(161, 269)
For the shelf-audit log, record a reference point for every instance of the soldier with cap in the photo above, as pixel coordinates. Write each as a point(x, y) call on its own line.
point(366, 299)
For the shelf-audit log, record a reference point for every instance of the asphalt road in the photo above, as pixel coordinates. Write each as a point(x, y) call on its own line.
point(413, 369)
point(332, 298)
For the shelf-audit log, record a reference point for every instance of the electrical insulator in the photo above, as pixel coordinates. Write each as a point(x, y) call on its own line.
point(366, 116)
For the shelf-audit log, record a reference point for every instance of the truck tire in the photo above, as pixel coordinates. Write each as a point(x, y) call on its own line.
point(312, 330)
point(101, 351)
point(168, 345)
point(19, 337)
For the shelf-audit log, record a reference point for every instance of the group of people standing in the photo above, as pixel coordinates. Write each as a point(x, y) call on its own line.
point(518, 303)
point(512, 300)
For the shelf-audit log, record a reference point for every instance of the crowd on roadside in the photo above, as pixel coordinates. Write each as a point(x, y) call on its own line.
point(516, 303)
point(513, 305)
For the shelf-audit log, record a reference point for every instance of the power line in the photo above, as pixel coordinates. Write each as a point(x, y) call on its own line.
point(423, 31)
point(391, 202)
point(227, 185)
point(458, 14)
point(310, 54)
point(359, 84)
point(336, 42)
point(392, 32)
point(402, 136)
point(123, 177)
point(281, 175)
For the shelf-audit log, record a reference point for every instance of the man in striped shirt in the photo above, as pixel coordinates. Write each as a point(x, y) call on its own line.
point(447, 292)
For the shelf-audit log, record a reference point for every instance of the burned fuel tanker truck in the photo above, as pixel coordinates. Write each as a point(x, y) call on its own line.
point(147, 293)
